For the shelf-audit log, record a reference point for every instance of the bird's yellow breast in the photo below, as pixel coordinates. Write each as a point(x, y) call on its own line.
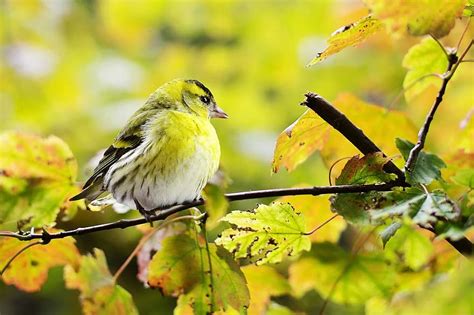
point(177, 137)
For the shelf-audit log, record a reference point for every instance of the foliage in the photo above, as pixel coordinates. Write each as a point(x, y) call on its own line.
point(78, 69)
point(266, 235)
point(37, 178)
point(349, 35)
point(99, 293)
point(30, 270)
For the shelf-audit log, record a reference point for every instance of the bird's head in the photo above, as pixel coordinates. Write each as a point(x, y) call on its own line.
point(189, 96)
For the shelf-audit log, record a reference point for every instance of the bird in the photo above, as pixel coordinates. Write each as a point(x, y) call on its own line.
point(165, 154)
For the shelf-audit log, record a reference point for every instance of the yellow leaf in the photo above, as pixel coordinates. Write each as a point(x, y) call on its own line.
point(294, 145)
point(349, 35)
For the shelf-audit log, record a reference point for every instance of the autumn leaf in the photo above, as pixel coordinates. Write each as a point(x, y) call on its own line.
point(365, 170)
point(99, 293)
point(358, 171)
point(36, 179)
point(265, 235)
point(297, 142)
point(416, 17)
point(423, 60)
point(349, 35)
point(29, 271)
point(349, 279)
point(153, 244)
point(263, 283)
point(181, 268)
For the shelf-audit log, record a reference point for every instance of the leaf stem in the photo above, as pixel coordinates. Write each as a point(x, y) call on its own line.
point(321, 225)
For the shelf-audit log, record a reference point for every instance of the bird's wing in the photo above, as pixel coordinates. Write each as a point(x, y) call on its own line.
point(128, 139)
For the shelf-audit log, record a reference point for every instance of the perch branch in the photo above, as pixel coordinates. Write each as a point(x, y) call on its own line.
point(246, 195)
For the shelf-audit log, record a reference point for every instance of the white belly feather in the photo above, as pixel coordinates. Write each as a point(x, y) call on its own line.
point(178, 184)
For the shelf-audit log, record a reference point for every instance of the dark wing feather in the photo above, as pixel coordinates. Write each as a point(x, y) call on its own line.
point(128, 139)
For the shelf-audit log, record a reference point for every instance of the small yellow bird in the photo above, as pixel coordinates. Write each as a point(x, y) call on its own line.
point(166, 153)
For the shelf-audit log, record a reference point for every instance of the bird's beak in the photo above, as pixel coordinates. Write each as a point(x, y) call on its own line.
point(217, 112)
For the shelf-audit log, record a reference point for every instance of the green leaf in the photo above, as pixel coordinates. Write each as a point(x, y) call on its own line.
point(424, 209)
point(37, 178)
point(297, 142)
point(388, 232)
point(99, 293)
point(416, 17)
point(343, 277)
point(422, 60)
point(414, 248)
point(263, 283)
point(365, 170)
point(265, 235)
point(427, 166)
point(29, 271)
point(349, 35)
point(181, 268)
point(357, 171)
point(465, 177)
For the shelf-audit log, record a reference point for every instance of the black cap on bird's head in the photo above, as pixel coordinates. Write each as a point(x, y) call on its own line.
point(206, 98)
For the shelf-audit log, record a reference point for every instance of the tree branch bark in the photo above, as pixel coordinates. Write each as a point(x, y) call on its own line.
point(246, 195)
point(350, 131)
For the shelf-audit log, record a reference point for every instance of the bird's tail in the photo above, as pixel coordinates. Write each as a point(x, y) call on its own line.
point(90, 192)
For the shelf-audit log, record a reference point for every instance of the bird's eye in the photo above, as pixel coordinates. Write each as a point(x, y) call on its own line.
point(205, 99)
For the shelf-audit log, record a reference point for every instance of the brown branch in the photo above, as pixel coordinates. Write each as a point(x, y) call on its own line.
point(350, 131)
point(246, 195)
point(357, 137)
point(453, 63)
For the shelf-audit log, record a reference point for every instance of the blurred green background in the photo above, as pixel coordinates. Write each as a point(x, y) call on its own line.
point(79, 69)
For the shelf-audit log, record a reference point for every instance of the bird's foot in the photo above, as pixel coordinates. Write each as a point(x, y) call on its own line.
point(145, 213)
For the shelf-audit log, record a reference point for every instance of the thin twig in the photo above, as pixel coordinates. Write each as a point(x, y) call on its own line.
point(163, 214)
point(453, 64)
point(18, 254)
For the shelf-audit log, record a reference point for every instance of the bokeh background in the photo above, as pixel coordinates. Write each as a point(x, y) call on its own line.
point(79, 69)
